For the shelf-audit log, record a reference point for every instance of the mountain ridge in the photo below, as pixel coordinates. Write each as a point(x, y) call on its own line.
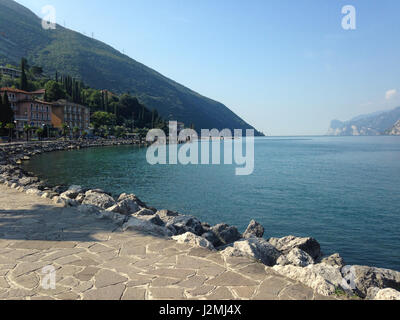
point(373, 124)
point(103, 67)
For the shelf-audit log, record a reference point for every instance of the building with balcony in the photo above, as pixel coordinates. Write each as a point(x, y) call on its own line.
point(28, 108)
point(72, 114)
point(11, 72)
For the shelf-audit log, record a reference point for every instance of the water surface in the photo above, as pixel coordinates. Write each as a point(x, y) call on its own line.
point(344, 191)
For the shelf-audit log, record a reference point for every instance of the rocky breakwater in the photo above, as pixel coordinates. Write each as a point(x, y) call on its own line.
point(299, 259)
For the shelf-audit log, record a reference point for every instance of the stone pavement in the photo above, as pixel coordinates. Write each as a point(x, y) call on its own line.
point(93, 259)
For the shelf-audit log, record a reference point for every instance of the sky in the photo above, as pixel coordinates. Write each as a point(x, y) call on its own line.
point(285, 66)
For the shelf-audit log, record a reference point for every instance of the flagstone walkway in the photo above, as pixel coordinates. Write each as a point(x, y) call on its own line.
point(92, 259)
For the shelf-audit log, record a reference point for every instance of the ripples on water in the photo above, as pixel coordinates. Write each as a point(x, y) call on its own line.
point(342, 191)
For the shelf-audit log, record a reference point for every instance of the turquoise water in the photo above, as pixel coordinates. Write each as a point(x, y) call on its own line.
point(344, 191)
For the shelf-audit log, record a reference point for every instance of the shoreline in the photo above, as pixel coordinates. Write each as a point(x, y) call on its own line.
point(299, 259)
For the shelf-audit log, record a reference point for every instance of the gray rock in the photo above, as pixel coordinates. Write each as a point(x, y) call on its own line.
point(383, 294)
point(298, 257)
point(369, 277)
point(226, 234)
point(323, 278)
point(194, 240)
point(144, 212)
point(155, 219)
point(183, 224)
point(98, 199)
point(67, 195)
point(254, 230)
point(334, 260)
point(25, 181)
point(33, 191)
point(287, 244)
point(210, 236)
point(126, 207)
point(80, 197)
point(256, 248)
point(167, 215)
point(126, 196)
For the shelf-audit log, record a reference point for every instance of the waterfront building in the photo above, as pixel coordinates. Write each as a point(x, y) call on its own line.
point(72, 114)
point(29, 108)
point(11, 72)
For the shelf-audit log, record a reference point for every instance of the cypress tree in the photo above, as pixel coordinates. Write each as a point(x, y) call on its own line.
point(6, 114)
point(23, 80)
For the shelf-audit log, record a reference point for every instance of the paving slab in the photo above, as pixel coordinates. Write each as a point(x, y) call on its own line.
point(93, 260)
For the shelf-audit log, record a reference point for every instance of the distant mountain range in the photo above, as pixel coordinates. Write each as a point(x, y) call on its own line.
point(374, 124)
point(395, 131)
point(102, 67)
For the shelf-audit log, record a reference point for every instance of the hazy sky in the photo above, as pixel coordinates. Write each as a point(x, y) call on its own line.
point(285, 66)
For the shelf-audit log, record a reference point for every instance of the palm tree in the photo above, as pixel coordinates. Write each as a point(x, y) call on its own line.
point(27, 130)
point(10, 127)
point(75, 131)
point(64, 129)
point(40, 132)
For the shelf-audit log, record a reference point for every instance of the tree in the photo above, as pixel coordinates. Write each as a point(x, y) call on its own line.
point(7, 113)
point(10, 127)
point(101, 118)
point(40, 133)
point(75, 131)
point(27, 130)
point(54, 91)
point(23, 80)
point(64, 129)
point(37, 71)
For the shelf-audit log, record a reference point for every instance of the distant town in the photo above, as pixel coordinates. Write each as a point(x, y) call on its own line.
point(36, 106)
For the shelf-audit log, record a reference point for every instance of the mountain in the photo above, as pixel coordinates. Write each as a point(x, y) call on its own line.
point(373, 124)
point(395, 131)
point(102, 67)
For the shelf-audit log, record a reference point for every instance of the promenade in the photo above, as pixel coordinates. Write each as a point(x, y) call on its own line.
point(94, 260)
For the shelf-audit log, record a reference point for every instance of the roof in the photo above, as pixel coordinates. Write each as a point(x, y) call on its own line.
point(41, 91)
point(14, 90)
point(63, 102)
point(12, 69)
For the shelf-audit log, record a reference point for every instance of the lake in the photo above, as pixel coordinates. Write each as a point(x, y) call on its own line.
point(343, 191)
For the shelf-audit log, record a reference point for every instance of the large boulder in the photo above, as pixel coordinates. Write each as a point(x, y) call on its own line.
point(254, 230)
point(383, 294)
point(183, 224)
point(335, 260)
point(287, 244)
point(126, 207)
point(144, 212)
point(155, 219)
point(167, 215)
point(146, 227)
point(323, 278)
point(363, 278)
point(25, 181)
point(210, 236)
point(194, 240)
point(296, 257)
point(99, 199)
point(72, 192)
point(255, 248)
point(226, 234)
point(126, 196)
